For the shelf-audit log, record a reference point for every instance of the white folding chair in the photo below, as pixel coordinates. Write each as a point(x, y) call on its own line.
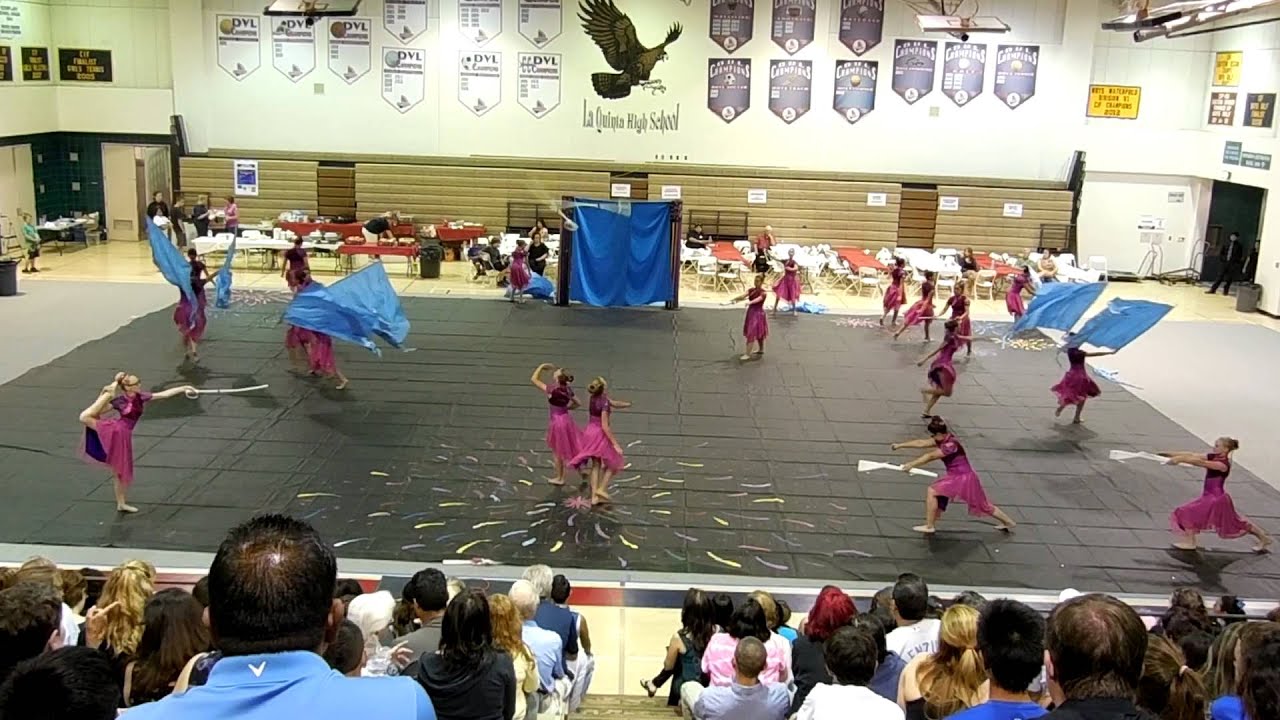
point(705, 271)
point(947, 280)
point(986, 281)
point(728, 276)
point(869, 278)
point(1066, 259)
point(1099, 263)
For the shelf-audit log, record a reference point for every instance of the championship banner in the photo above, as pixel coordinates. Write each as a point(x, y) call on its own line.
point(1016, 69)
point(541, 21)
point(238, 39)
point(855, 91)
point(793, 24)
point(350, 48)
point(480, 80)
point(861, 24)
point(538, 83)
point(1260, 110)
point(405, 19)
point(733, 23)
point(1222, 108)
point(404, 77)
point(728, 87)
point(1114, 101)
point(790, 88)
point(84, 65)
point(914, 62)
point(1226, 68)
point(964, 70)
point(480, 20)
point(6, 64)
point(293, 47)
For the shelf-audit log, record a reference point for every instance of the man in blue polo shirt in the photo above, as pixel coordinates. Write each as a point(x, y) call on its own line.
point(271, 612)
point(1011, 642)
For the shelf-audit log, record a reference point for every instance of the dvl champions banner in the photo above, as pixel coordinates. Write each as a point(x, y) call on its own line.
point(793, 24)
point(790, 88)
point(540, 21)
point(480, 20)
point(404, 73)
point(914, 62)
point(855, 91)
point(293, 47)
point(538, 83)
point(350, 54)
point(861, 24)
point(239, 48)
point(964, 69)
point(480, 80)
point(405, 19)
point(732, 23)
point(728, 87)
point(1016, 68)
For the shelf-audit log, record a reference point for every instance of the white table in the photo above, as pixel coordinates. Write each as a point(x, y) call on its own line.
point(206, 245)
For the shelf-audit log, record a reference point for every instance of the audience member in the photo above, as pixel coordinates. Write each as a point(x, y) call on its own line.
point(507, 638)
point(45, 572)
point(95, 580)
point(29, 617)
point(1260, 679)
point(749, 620)
point(1168, 688)
point(456, 587)
point(882, 599)
point(1220, 670)
point(272, 609)
point(915, 632)
point(200, 591)
point(72, 683)
point(469, 678)
point(583, 667)
point(551, 616)
point(75, 591)
point(1095, 646)
point(683, 662)
point(784, 622)
point(173, 632)
point(942, 683)
point(747, 697)
point(426, 595)
point(1231, 607)
point(373, 613)
point(1274, 615)
point(1011, 646)
point(6, 577)
point(722, 604)
point(346, 652)
point(889, 666)
point(1195, 649)
point(347, 586)
point(538, 252)
point(831, 611)
point(851, 657)
point(114, 625)
point(547, 649)
point(777, 646)
point(970, 598)
point(765, 241)
point(696, 239)
point(1252, 637)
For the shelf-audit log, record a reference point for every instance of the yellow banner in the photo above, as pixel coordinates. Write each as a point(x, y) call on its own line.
point(1226, 68)
point(1114, 101)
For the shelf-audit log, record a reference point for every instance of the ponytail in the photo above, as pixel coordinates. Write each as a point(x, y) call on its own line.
point(1168, 688)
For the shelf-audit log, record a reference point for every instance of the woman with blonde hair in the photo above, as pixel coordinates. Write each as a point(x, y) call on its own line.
point(507, 637)
point(940, 684)
point(115, 624)
point(1168, 688)
point(598, 448)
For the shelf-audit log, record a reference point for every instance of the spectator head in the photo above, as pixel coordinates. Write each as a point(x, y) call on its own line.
point(427, 592)
point(749, 659)
point(722, 606)
point(1168, 687)
point(831, 611)
point(456, 587)
point(970, 598)
point(1195, 649)
point(749, 621)
point(951, 677)
point(1260, 681)
point(1274, 615)
point(524, 597)
point(910, 598)
point(41, 571)
point(346, 652)
point(1178, 623)
point(560, 589)
point(200, 591)
point(1094, 648)
point(30, 614)
point(95, 580)
point(1190, 601)
point(882, 599)
point(539, 576)
point(873, 627)
point(784, 613)
point(271, 589)
point(128, 587)
point(347, 586)
point(1252, 637)
point(1011, 643)
point(466, 634)
point(74, 682)
point(6, 577)
point(1220, 670)
point(1230, 605)
point(372, 612)
point(505, 622)
point(770, 607)
point(698, 616)
point(173, 632)
point(851, 656)
point(74, 589)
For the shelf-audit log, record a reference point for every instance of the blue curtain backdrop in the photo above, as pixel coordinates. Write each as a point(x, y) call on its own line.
point(621, 253)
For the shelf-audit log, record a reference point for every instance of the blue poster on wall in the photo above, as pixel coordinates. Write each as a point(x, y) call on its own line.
point(246, 177)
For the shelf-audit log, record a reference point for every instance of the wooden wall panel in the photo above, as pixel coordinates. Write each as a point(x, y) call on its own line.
point(336, 191)
point(800, 211)
point(283, 185)
point(980, 221)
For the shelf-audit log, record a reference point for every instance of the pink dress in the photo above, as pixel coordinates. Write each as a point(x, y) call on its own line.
point(190, 319)
point(942, 373)
point(320, 354)
point(296, 258)
point(594, 444)
point(1214, 509)
point(959, 305)
point(755, 327)
point(788, 288)
point(1013, 298)
point(519, 270)
point(923, 309)
point(1075, 386)
point(961, 482)
point(562, 432)
point(894, 297)
point(111, 444)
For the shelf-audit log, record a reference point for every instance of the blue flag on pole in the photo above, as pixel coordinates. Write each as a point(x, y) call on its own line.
point(222, 281)
point(1120, 323)
point(168, 259)
point(356, 309)
point(1058, 306)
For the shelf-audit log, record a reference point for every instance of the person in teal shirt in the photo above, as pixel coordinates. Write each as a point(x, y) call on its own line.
point(30, 243)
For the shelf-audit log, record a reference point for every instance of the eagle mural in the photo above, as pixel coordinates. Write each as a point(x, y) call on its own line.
point(615, 35)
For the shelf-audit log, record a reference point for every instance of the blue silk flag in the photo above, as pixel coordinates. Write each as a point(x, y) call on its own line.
point(357, 308)
point(222, 281)
point(170, 262)
point(1120, 323)
point(1058, 306)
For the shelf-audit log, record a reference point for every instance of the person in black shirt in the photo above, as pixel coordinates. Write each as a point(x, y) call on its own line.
point(1095, 647)
point(538, 252)
point(179, 220)
point(200, 216)
point(969, 270)
point(469, 678)
point(377, 229)
point(157, 206)
point(696, 240)
point(1232, 258)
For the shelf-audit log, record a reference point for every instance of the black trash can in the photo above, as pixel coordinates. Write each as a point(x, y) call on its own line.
point(8, 278)
point(430, 256)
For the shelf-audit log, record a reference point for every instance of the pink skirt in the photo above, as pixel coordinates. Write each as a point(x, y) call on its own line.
point(110, 446)
point(519, 276)
point(297, 337)
point(918, 313)
point(1013, 303)
point(1210, 512)
point(965, 487)
point(964, 327)
point(191, 328)
point(893, 298)
point(1075, 387)
point(563, 437)
point(756, 326)
point(788, 288)
point(942, 375)
point(595, 445)
point(320, 355)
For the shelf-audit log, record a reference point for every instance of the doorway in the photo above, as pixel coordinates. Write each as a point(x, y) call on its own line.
point(131, 174)
point(1233, 208)
point(17, 193)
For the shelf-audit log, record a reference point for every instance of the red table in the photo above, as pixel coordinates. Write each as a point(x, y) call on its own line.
point(986, 263)
point(726, 252)
point(405, 251)
point(344, 230)
point(859, 259)
point(468, 232)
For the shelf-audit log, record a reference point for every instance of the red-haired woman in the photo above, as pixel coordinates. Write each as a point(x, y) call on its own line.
point(831, 611)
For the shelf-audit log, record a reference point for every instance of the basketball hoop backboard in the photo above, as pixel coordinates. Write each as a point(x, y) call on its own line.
point(312, 8)
point(957, 24)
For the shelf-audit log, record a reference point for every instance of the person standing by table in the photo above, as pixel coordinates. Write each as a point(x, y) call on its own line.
point(377, 230)
point(969, 270)
point(30, 243)
point(696, 240)
point(538, 252)
point(232, 213)
point(200, 216)
point(178, 216)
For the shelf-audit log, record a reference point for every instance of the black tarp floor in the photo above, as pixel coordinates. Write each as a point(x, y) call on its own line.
point(735, 468)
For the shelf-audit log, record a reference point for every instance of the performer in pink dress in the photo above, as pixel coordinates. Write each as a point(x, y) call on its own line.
point(894, 296)
point(922, 310)
point(321, 360)
point(190, 318)
point(942, 373)
point(563, 435)
point(788, 288)
point(959, 483)
point(598, 448)
point(109, 441)
point(295, 263)
point(959, 304)
point(1076, 387)
point(755, 328)
point(1214, 509)
point(1018, 282)
point(296, 339)
point(519, 277)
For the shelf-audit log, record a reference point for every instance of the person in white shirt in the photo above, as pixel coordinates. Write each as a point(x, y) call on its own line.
point(915, 633)
point(851, 658)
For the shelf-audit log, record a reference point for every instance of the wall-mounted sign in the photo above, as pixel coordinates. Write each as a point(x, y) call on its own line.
point(350, 42)
point(728, 87)
point(855, 90)
point(1222, 108)
point(1012, 210)
point(238, 38)
point(6, 64)
point(538, 82)
point(1150, 222)
point(1231, 152)
point(877, 199)
point(540, 21)
point(405, 19)
point(293, 47)
point(404, 77)
point(10, 20)
point(245, 177)
point(793, 24)
point(1114, 101)
point(480, 80)
point(758, 196)
point(1255, 161)
point(480, 20)
point(1226, 68)
point(1260, 110)
point(35, 64)
point(861, 24)
point(81, 65)
point(1016, 68)
point(1177, 196)
point(672, 192)
point(732, 23)
point(620, 190)
point(948, 203)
